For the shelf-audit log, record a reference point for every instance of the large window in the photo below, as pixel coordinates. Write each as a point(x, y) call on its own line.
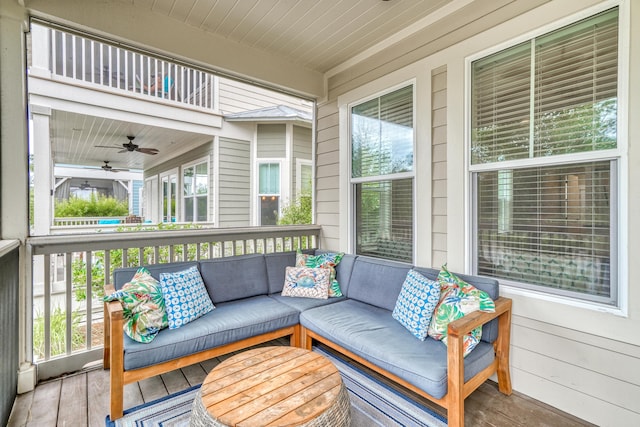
point(269, 192)
point(382, 141)
point(544, 159)
point(195, 182)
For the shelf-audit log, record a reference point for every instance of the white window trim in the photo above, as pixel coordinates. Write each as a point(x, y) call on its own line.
point(193, 163)
point(175, 171)
point(620, 153)
point(256, 185)
point(299, 164)
point(351, 182)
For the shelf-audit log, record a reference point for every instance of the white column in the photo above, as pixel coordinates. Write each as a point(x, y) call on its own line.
point(42, 170)
point(40, 44)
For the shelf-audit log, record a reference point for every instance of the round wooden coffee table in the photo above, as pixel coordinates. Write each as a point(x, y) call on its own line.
point(273, 386)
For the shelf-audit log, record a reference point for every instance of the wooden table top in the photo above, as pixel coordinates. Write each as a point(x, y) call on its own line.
point(271, 386)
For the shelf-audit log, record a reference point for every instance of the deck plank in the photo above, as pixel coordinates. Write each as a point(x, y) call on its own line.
point(152, 388)
point(97, 397)
point(21, 410)
point(175, 381)
point(73, 402)
point(485, 407)
point(195, 374)
point(44, 408)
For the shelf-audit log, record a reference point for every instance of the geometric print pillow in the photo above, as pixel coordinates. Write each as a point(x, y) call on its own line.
point(306, 282)
point(328, 260)
point(416, 302)
point(142, 306)
point(185, 296)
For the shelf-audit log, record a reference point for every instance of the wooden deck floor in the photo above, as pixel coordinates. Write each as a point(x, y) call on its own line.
point(82, 399)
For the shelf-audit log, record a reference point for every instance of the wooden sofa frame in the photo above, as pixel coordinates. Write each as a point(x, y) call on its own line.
point(453, 401)
point(113, 356)
point(457, 388)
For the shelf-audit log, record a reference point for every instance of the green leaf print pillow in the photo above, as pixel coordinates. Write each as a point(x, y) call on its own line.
point(143, 306)
point(458, 298)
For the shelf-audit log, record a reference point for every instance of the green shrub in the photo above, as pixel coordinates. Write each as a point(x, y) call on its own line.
point(95, 206)
point(297, 212)
point(57, 336)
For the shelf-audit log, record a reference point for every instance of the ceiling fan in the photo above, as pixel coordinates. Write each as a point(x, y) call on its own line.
point(85, 185)
point(108, 168)
point(131, 147)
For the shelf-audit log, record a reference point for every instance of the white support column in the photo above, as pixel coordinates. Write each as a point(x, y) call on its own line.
point(40, 43)
point(42, 170)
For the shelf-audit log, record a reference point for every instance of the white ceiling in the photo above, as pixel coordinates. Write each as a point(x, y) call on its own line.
point(74, 138)
point(316, 34)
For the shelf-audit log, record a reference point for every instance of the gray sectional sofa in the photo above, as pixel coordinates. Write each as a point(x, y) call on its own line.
point(250, 310)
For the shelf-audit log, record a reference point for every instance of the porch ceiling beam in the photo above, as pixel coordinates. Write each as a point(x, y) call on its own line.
point(124, 21)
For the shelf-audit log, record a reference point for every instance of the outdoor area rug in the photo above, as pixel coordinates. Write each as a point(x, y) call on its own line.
point(372, 404)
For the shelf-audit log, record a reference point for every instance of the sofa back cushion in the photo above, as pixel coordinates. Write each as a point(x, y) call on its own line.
point(276, 265)
point(233, 278)
point(490, 286)
point(377, 281)
point(124, 275)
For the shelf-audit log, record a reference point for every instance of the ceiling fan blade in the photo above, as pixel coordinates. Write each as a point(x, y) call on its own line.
point(106, 146)
point(123, 151)
point(148, 150)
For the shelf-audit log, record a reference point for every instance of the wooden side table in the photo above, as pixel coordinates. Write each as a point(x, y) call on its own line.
point(273, 386)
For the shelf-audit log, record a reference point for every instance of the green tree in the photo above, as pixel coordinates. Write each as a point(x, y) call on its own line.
point(297, 212)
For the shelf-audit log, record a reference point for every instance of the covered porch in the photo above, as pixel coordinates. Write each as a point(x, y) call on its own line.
point(575, 350)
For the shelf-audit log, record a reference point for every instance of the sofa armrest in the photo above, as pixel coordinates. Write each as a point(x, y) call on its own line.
point(113, 323)
point(457, 389)
point(469, 322)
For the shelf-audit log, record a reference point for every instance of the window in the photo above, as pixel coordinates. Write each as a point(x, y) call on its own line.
point(195, 182)
point(544, 161)
point(269, 193)
point(382, 141)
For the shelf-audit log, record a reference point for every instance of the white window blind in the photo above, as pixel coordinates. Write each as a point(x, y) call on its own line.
point(553, 95)
point(548, 226)
point(382, 141)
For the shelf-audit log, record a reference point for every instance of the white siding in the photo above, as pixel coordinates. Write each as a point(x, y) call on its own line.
point(439, 166)
point(328, 176)
point(271, 141)
point(234, 187)
point(578, 358)
point(236, 97)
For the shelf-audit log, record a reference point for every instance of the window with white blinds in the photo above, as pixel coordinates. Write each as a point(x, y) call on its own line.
point(538, 223)
point(382, 141)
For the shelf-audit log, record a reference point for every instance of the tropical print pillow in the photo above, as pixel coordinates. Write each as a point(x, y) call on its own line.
point(326, 260)
point(458, 298)
point(307, 282)
point(143, 306)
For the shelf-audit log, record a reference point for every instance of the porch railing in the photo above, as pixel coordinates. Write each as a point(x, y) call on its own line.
point(69, 274)
point(113, 66)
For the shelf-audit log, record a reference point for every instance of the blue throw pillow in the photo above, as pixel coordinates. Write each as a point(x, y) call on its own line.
point(185, 296)
point(415, 304)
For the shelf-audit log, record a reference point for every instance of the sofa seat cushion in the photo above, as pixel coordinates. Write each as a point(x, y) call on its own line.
point(302, 304)
point(229, 322)
point(373, 334)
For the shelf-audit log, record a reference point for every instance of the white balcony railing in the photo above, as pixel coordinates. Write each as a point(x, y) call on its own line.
point(98, 62)
point(69, 274)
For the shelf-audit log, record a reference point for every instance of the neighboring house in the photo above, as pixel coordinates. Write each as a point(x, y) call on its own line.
point(208, 149)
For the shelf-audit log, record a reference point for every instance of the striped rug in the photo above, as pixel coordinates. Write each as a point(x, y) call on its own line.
point(372, 404)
